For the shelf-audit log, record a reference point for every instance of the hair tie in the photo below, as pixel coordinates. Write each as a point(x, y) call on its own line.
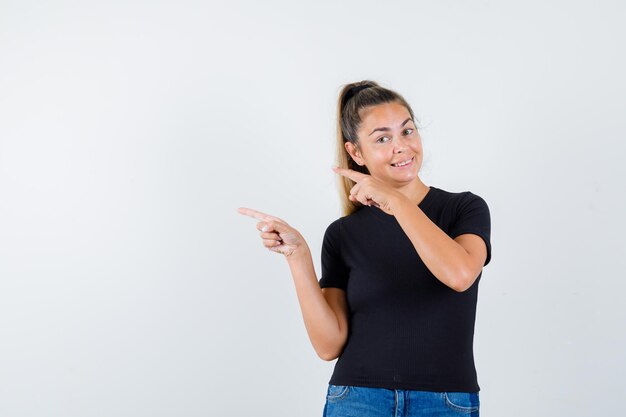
point(358, 88)
point(354, 91)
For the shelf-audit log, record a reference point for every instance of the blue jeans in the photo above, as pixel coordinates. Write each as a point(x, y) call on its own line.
point(353, 401)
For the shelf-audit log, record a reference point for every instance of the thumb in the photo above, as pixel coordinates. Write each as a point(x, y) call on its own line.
point(282, 250)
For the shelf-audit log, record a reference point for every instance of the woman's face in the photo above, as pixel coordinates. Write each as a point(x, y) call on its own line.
point(388, 136)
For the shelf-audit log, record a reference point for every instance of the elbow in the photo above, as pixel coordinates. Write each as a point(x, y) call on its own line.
point(464, 281)
point(330, 353)
point(327, 355)
point(461, 281)
point(331, 349)
point(460, 287)
point(457, 286)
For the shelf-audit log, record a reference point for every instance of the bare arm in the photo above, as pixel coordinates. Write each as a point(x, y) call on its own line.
point(455, 262)
point(327, 327)
point(324, 311)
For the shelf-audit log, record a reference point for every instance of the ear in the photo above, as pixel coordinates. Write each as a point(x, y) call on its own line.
point(355, 153)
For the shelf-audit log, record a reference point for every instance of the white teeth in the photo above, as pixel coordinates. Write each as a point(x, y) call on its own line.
point(402, 163)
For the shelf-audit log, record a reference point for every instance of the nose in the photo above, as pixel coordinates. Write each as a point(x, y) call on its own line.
point(399, 145)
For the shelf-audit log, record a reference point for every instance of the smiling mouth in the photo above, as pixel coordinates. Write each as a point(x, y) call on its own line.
point(403, 164)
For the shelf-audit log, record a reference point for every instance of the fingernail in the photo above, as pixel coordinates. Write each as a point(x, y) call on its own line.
point(264, 228)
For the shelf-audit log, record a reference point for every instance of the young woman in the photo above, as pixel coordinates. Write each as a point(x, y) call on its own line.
point(396, 302)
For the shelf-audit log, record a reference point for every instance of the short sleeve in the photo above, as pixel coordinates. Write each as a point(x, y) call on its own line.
point(334, 270)
point(472, 216)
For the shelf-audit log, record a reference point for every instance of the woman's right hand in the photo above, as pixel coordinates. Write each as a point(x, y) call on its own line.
point(277, 235)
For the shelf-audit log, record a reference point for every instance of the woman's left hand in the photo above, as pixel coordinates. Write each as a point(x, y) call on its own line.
point(368, 190)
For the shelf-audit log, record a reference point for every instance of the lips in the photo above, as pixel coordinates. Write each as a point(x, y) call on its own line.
point(410, 161)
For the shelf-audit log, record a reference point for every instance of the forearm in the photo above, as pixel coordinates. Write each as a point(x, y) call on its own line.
point(446, 259)
point(320, 320)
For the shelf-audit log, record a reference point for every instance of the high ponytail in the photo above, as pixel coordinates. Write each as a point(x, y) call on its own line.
point(353, 98)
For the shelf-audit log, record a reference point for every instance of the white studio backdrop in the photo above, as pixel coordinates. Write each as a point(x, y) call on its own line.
point(130, 132)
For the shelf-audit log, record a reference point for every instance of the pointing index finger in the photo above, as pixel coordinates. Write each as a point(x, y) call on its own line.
point(257, 214)
point(346, 172)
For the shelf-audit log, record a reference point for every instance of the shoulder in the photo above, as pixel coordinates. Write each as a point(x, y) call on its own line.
point(346, 221)
point(350, 224)
point(458, 199)
point(470, 200)
point(334, 227)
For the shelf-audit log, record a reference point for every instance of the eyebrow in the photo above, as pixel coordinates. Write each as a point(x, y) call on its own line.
point(384, 129)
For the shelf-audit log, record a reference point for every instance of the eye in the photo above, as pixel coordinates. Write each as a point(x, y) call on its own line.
point(405, 130)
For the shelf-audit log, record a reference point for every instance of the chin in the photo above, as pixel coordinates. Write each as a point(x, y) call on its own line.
point(409, 176)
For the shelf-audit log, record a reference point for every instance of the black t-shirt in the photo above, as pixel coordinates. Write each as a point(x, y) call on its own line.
point(407, 329)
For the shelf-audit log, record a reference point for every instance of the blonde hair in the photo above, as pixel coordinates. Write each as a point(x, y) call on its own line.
point(353, 98)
